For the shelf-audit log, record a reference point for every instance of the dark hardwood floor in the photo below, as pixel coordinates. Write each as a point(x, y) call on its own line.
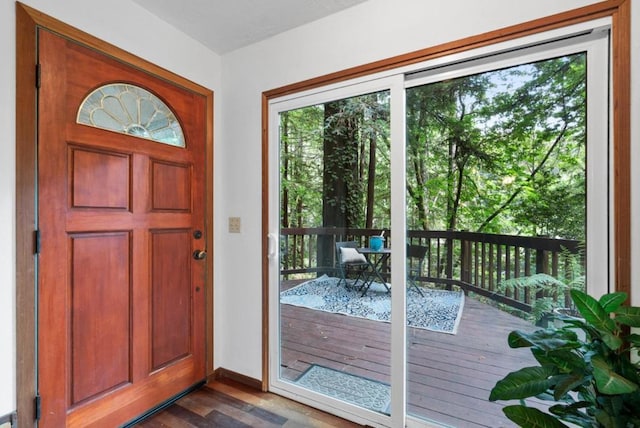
point(225, 403)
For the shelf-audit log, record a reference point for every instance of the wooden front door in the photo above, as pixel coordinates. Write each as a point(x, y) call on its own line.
point(121, 297)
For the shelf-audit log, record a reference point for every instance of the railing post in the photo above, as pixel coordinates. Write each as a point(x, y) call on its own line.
point(570, 275)
point(542, 261)
point(465, 270)
point(492, 269)
point(542, 266)
point(527, 272)
point(499, 268)
point(326, 253)
point(449, 266)
point(483, 274)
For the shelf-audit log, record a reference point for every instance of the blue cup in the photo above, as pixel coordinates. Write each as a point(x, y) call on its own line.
point(376, 242)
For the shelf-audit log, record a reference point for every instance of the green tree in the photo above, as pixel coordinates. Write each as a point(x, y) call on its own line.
point(356, 166)
point(500, 151)
point(443, 145)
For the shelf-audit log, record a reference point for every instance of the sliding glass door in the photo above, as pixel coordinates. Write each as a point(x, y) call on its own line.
point(499, 162)
point(419, 216)
point(334, 301)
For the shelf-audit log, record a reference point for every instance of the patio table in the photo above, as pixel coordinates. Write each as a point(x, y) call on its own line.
point(376, 259)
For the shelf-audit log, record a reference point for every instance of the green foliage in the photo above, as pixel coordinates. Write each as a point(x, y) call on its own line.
point(547, 292)
point(593, 381)
point(500, 151)
point(497, 152)
point(549, 286)
point(531, 417)
point(328, 152)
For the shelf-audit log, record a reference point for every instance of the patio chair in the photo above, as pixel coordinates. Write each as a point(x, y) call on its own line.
point(350, 262)
point(415, 260)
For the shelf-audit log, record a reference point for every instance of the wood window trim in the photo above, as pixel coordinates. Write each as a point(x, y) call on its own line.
point(620, 13)
point(28, 21)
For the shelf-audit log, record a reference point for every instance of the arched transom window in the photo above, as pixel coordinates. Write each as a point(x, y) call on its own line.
point(133, 111)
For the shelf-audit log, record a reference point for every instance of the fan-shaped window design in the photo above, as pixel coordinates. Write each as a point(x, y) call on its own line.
point(133, 111)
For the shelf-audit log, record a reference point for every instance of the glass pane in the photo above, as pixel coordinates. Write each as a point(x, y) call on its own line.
point(496, 198)
point(335, 302)
point(133, 111)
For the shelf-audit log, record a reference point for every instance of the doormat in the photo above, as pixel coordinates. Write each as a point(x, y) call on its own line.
point(367, 393)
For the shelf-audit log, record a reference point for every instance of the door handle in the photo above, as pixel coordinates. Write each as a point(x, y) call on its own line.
point(199, 254)
point(271, 245)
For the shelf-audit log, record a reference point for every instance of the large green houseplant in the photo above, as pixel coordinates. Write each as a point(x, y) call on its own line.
point(593, 382)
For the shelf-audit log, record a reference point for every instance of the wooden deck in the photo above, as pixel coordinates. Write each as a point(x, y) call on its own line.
point(450, 376)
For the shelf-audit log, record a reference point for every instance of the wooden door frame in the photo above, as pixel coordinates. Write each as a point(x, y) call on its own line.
point(28, 21)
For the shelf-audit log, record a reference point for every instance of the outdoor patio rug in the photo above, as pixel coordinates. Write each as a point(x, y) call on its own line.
point(438, 310)
point(353, 389)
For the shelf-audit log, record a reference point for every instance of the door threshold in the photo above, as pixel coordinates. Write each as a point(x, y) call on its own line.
point(164, 404)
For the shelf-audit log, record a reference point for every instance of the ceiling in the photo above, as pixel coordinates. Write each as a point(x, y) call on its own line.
point(226, 25)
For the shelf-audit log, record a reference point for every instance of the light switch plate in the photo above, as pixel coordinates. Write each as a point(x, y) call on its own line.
point(234, 224)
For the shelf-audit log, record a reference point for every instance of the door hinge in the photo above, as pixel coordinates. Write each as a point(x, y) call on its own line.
point(38, 406)
point(36, 242)
point(38, 75)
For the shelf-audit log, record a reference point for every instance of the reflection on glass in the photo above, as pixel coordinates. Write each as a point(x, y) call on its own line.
point(496, 200)
point(334, 195)
point(131, 110)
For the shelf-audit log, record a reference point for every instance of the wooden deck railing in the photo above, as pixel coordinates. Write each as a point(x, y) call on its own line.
point(476, 262)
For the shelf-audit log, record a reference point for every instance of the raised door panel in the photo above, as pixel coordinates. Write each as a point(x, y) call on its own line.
point(100, 313)
point(171, 184)
point(171, 299)
point(99, 179)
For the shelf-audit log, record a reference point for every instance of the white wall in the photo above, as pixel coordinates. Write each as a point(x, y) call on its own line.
point(374, 30)
point(124, 24)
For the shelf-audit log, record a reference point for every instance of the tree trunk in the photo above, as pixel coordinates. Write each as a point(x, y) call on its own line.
point(371, 182)
point(340, 186)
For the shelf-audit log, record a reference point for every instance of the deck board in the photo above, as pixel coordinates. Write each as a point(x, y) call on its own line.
point(450, 375)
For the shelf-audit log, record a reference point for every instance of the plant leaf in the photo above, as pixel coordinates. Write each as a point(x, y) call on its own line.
point(610, 302)
point(538, 281)
point(608, 381)
point(547, 340)
point(546, 396)
point(612, 341)
point(526, 382)
point(628, 315)
point(530, 417)
point(572, 413)
point(631, 372)
point(564, 359)
point(566, 383)
point(519, 339)
point(592, 311)
point(634, 339)
point(610, 421)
